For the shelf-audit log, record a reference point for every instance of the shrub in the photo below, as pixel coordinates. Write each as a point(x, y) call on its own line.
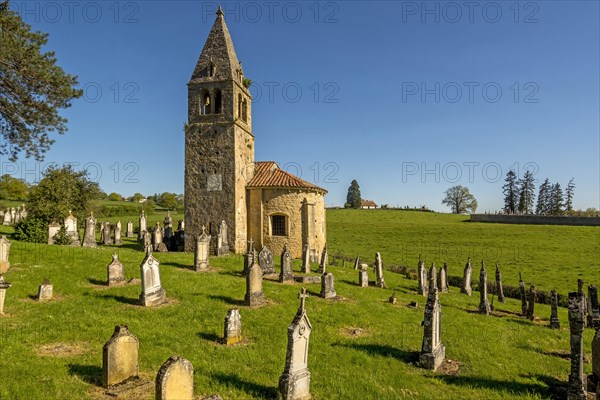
point(61, 237)
point(31, 229)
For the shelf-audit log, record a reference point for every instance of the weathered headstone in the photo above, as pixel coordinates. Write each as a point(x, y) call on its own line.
point(357, 263)
point(443, 279)
point(233, 327)
point(379, 281)
point(421, 278)
point(433, 351)
point(554, 321)
point(327, 286)
point(71, 229)
point(143, 227)
point(294, 383)
point(53, 229)
point(484, 304)
point(129, 232)
point(147, 237)
point(181, 225)
point(222, 242)
point(265, 260)
point(433, 279)
point(115, 271)
point(286, 274)
point(3, 286)
point(306, 259)
point(6, 220)
point(363, 276)
point(583, 298)
point(175, 380)
point(4, 254)
point(45, 290)
point(531, 303)
point(157, 239)
point(593, 307)
point(393, 299)
point(324, 262)
point(117, 232)
point(249, 258)
point(523, 296)
point(201, 251)
point(576, 389)
point(254, 286)
point(467, 274)
point(120, 357)
point(595, 376)
point(499, 289)
point(13, 214)
point(106, 234)
point(89, 235)
point(152, 291)
point(168, 228)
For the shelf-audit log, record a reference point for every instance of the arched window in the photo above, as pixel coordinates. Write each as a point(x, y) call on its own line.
point(278, 225)
point(218, 101)
point(205, 103)
point(239, 108)
point(212, 70)
point(245, 110)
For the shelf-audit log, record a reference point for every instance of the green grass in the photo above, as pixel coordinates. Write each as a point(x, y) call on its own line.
point(502, 357)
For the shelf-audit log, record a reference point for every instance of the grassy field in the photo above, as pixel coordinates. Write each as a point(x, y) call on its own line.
point(54, 350)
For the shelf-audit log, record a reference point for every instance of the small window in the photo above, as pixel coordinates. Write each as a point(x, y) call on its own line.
point(278, 225)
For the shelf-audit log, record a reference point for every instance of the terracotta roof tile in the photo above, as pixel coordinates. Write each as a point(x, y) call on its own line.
point(267, 174)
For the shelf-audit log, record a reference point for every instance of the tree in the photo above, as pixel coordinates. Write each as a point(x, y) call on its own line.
point(13, 188)
point(511, 192)
point(114, 197)
point(460, 200)
point(168, 201)
point(543, 203)
point(136, 198)
point(569, 193)
point(61, 190)
point(526, 193)
point(557, 203)
point(32, 89)
point(353, 199)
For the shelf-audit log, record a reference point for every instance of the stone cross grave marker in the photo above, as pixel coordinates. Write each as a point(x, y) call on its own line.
point(306, 259)
point(576, 389)
point(433, 352)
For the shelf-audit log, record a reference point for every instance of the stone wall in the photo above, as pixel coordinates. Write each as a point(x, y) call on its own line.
point(536, 219)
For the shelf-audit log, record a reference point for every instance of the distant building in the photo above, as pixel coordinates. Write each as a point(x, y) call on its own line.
point(367, 204)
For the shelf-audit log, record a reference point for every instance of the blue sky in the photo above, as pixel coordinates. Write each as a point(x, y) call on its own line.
point(408, 98)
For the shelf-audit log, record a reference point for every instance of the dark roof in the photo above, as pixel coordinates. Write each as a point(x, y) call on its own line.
point(267, 174)
point(367, 203)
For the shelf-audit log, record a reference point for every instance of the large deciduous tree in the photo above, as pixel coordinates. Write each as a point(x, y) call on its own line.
point(353, 198)
point(13, 188)
point(460, 200)
point(33, 88)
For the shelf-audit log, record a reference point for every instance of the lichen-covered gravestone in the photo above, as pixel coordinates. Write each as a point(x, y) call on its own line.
point(120, 357)
point(129, 232)
point(595, 376)
point(593, 307)
point(106, 234)
point(433, 351)
point(484, 304)
point(117, 232)
point(327, 286)
point(152, 291)
point(254, 287)
point(157, 239)
point(232, 327)
point(265, 260)
point(89, 235)
point(499, 289)
point(379, 281)
point(286, 274)
point(421, 278)
point(45, 291)
point(175, 380)
point(4, 254)
point(115, 271)
point(554, 321)
point(324, 261)
point(576, 389)
point(467, 274)
point(363, 276)
point(294, 383)
point(3, 286)
point(201, 251)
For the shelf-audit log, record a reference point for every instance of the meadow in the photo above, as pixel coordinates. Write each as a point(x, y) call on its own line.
point(361, 347)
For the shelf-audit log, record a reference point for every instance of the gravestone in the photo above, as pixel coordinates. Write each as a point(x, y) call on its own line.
point(157, 239)
point(222, 243)
point(168, 228)
point(433, 279)
point(201, 251)
point(117, 232)
point(3, 287)
point(249, 258)
point(595, 376)
point(175, 380)
point(484, 304)
point(45, 290)
point(327, 286)
point(53, 229)
point(523, 296)
point(106, 234)
point(581, 295)
point(143, 227)
point(71, 229)
point(306, 259)
point(379, 281)
point(233, 327)
point(324, 262)
point(357, 263)
point(467, 274)
point(531, 303)
point(393, 299)
point(286, 274)
point(147, 241)
point(433, 351)
point(294, 383)
point(89, 235)
point(115, 271)
point(265, 260)
point(592, 306)
point(6, 220)
point(129, 232)
point(181, 225)
point(153, 293)
point(421, 278)
point(554, 321)
point(443, 279)
point(576, 389)
point(13, 214)
point(254, 286)
point(363, 276)
point(120, 357)
point(499, 289)
point(4, 254)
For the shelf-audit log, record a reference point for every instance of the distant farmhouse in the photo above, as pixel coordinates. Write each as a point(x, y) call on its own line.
point(367, 204)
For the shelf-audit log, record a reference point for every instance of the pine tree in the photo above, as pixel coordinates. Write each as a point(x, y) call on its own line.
point(556, 203)
point(510, 191)
point(353, 199)
point(542, 207)
point(569, 193)
point(526, 193)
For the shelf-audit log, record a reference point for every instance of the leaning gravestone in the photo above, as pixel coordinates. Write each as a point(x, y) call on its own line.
point(53, 229)
point(356, 263)
point(421, 278)
point(233, 327)
point(45, 290)
point(120, 357)
point(499, 289)
point(3, 286)
point(117, 232)
point(294, 383)
point(327, 286)
point(4, 254)
point(324, 260)
point(576, 389)
point(363, 276)
point(201, 251)
point(129, 232)
point(265, 260)
point(554, 321)
point(531, 305)
point(254, 287)
point(89, 235)
point(433, 351)
point(175, 380)
point(152, 291)
point(286, 274)
point(306, 259)
point(379, 281)
point(484, 304)
point(467, 274)
point(115, 271)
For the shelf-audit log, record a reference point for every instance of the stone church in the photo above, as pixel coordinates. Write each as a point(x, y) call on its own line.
point(223, 182)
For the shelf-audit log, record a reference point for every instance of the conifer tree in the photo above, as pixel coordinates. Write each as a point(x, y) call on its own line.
point(526, 193)
point(353, 198)
point(569, 193)
point(511, 193)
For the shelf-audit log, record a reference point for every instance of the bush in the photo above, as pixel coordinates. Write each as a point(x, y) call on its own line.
point(62, 238)
point(31, 229)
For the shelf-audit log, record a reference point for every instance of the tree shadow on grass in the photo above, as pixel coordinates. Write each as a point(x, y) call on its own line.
point(254, 389)
point(91, 374)
point(97, 282)
point(408, 357)
point(227, 299)
point(178, 265)
point(232, 273)
point(130, 246)
point(565, 354)
point(122, 299)
point(496, 385)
